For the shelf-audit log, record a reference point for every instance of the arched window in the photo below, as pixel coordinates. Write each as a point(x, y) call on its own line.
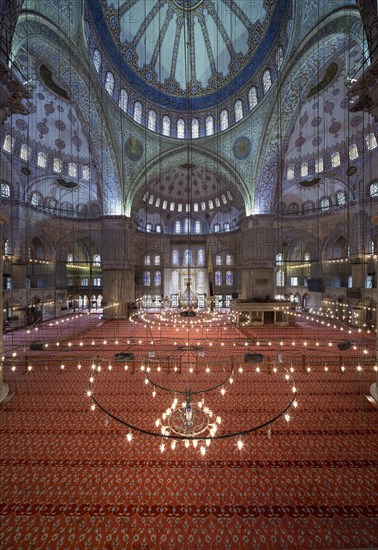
point(157, 278)
point(109, 83)
point(157, 259)
point(224, 119)
point(280, 278)
point(164, 205)
point(279, 259)
point(306, 257)
point(217, 201)
point(175, 257)
point(85, 172)
point(218, 278)
point(228, 259)
point(36, 199)
point(203, 205)
point(373, 189)
point(186, 225)
point(304, 169)
point(267, 80)
point(138, 112)
point(7, 248)
point(335, 159)
point(353, 151)
point(72, 169)
point(148, 227)
point(218, 259)
point(166, 125)
point(290, 172)
point(308, 206)
point(8, 143)
point(195, 207)
point(201, 257)
point(151, 120)
point(211, 204)
point(216, 228)
point(195, 128)
point(5, 190)
point(371, 141)
point(209, 125)
point(147, 278)
point(151, 199)
point(224, 199)
point(226, 226)
point(279, 57)
point(177, 227)
point(123, 100)
point(319, 165)
point(42, 160)
point(172, 206)
point(157, 202)
point(97, 60)
point(70, 258)
point(96, 260)
point(238, 110)
point(57, 165)
point(25, 152)
point(158, 228)
point(147, 260)
point(179, 207)
point(229, 278)
point(252, 98)
point(181, 128)
point(341, 198)
point(197, 227)
point(188, 257)
point(325, 203)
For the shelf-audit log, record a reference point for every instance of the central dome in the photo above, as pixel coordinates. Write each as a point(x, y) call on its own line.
point(187, 54)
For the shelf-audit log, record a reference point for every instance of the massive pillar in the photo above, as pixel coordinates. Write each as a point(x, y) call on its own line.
point(118, 266)
point(3, 387)
point(259, 247)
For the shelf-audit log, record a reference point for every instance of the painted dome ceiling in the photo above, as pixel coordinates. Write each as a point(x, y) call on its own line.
point(167, 49)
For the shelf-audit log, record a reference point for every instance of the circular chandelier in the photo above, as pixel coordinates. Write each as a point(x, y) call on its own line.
point(187, 391)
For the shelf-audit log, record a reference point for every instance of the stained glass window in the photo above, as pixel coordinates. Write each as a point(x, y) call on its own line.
point(151, 120)
point(5, 190)
point(280, 278)
point(319, 165)
point(123, 100)
point(218, 278)
point(187, 257)
point(290, 172)
point(42, 160)
point(374, 189)
point(57, 165)
point(279, 57)
point(201, 281)
point(197, 227)
point(217, 201)
point(158, 228)
point(175, 257)
point(138, 112)
point(36, 199)
point(238, 108)
point(157, 259)
point(218, 259)
point(252, 98)
point(341, 199)
point(25, 152)
point(224, 119)
point(267, 80)
point(228, 259)
point(175, 281)
point(195, 128)
point(166, 126)
point(97, 60)
point(147, 260)
point(226, 226)
point(96, 260)
point(186, 225)
point(224, 199)
point(181, 128)
point(371, 141)
point(353, 151)
point(177, 227)
point(72, 169)
point(304, 169)
point(209, 125)
point(216, 228)
point(85, 172)
point(157, 278)
point(279, 259)
point(229, 278)
point(307, 257)
point(8, 143)
point(109, 83)
point(147, 278)
point(325, 203)
point(7, 249)
point(335, 159)
point(201, 257)
point(148, 227)
point(69, 258)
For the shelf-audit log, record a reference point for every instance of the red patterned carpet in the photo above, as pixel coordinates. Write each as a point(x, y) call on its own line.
point(70, 478)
